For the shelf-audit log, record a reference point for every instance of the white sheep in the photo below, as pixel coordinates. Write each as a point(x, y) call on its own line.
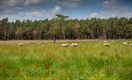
point(20, 44)
point(74, 45)
point(65, 44)
point(124, 43)
point(105, 41)
point(112, 41)
point(107, 44)
point(130, 45)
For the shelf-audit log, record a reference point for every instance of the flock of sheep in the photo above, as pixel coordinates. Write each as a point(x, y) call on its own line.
point(126, 43)
point(106, 43)
point(68, 44)
point(63, 45)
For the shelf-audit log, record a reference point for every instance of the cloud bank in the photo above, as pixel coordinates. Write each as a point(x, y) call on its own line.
point(41, 9)
point(34, 9)
point(112, 8)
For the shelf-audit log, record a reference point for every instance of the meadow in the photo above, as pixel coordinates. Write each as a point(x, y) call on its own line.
point(90, 60)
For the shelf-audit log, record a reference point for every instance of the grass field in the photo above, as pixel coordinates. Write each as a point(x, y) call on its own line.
point(91, 60)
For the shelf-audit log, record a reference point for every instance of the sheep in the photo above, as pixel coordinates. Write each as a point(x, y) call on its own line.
point(107, 44)
point(20, 44)
point(105, 41)
point(130, 45)
point(124, 43)
point(112, 41)
point(65, 44)
point(74, 45)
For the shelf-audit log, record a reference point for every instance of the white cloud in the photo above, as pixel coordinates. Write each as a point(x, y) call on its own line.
point(34, 15)
point(32, 2)
point(55, 9)
point(112, 9)
point(107, 14)
point(11, 4)
point(106, 4)
point(102, 15)
point(70, 3)
point(111, 4)
point(94, 15)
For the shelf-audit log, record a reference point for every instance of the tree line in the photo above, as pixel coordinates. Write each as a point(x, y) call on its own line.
point(62, 27)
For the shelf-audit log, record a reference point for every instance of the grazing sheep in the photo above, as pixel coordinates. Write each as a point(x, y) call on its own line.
point(105, 41)
point(74, 45)
point(112, 41)
point(125, 43)
point(130, 45)
point(20, 44)
point(65, 44)
point(107, 44)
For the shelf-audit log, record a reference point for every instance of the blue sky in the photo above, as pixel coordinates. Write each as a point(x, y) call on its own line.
point(81, 9)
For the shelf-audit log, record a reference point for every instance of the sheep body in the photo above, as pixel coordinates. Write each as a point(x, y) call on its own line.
point(130, 45)
point(112, 41)
point(125, 43)
point(105, 41)
point(65, 44)
point(74, 45)
point(20, 44)
point(107, 44)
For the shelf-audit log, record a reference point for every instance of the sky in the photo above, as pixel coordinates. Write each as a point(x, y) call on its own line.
point(80, 9)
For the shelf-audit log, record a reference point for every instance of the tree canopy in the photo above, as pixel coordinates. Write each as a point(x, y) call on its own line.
point(64, 28)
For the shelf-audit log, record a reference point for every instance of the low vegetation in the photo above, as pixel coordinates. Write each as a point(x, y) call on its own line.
point(90, 60)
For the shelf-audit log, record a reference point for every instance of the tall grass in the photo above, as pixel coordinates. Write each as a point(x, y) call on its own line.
point(49, 61)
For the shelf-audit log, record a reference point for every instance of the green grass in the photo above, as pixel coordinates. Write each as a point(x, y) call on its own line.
point(91, 60)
